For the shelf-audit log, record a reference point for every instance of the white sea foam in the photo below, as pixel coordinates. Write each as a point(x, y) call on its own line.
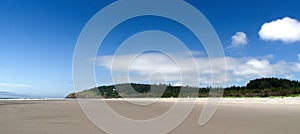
point(275, 100)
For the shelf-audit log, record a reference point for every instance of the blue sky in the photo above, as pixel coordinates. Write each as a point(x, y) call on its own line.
point(38, 38)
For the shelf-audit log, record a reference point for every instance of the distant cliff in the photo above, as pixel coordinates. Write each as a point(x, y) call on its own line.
point(263, 87)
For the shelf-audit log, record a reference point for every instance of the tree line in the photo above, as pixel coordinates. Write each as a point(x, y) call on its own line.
point(263, 87)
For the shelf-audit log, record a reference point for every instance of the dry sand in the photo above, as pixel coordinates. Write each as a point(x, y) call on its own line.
point(234, 116)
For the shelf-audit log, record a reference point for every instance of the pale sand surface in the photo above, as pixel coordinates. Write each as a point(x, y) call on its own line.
point(234, 116)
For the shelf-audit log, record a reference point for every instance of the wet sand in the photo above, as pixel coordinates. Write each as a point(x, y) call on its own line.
point(234, 116)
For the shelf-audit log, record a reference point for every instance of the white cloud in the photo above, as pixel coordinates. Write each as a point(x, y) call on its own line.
point(178, 84)
point(13, 85)
point(239, 39)
point(237, 69)
point(286, 30)
point(144, 66)
point(297, 66)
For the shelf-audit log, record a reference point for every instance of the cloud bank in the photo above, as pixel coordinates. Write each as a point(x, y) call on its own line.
point(286, 30)
point(172, 71)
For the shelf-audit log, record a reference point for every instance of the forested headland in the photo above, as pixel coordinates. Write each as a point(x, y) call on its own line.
point(264, 87)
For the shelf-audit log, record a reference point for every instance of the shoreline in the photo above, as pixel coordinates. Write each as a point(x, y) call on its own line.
point(285, 100)
point(245, 100)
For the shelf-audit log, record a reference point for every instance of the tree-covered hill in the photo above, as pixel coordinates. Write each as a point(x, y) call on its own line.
point(263, 87)
point(265, 83)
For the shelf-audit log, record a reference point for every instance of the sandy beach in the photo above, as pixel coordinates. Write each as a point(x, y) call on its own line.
point(234, 116)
